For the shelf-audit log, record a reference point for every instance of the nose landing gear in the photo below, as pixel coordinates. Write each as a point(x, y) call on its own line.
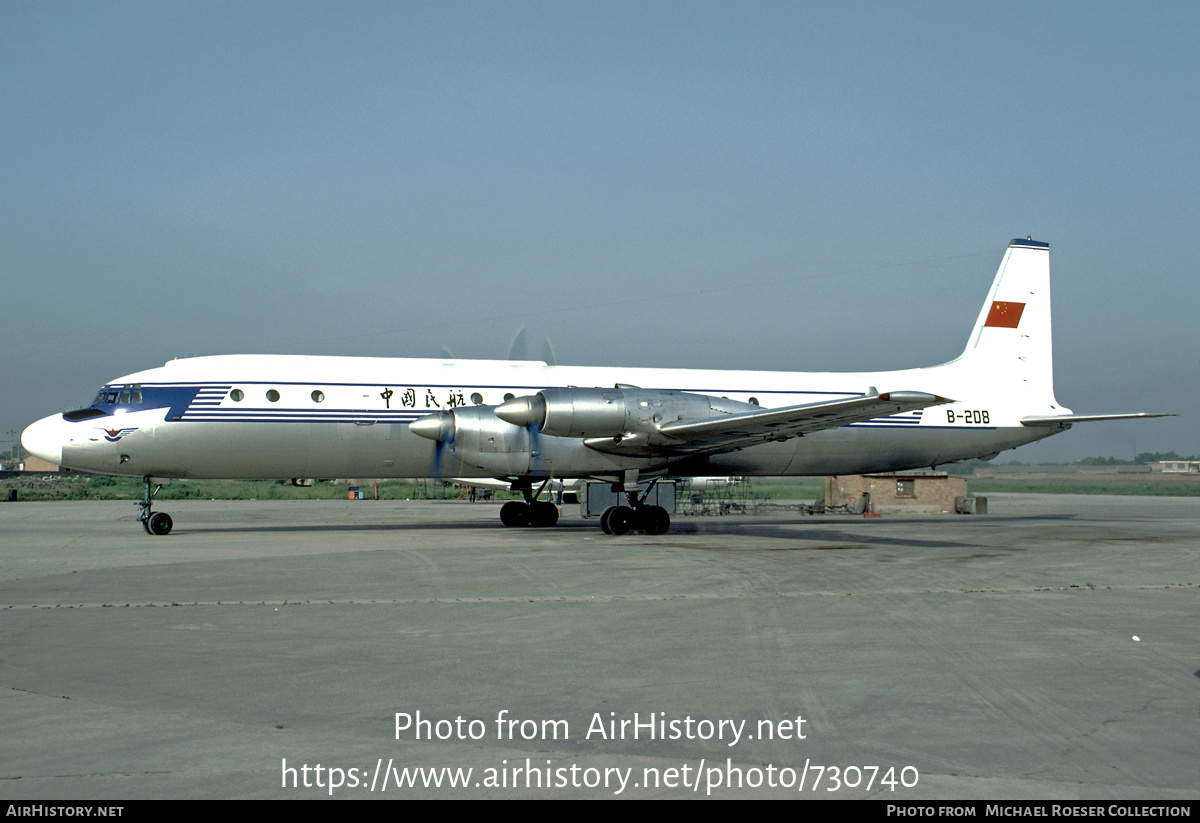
point(156, 523)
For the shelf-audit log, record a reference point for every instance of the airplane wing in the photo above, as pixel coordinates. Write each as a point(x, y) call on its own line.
point(736, 431)
point(1054, 419)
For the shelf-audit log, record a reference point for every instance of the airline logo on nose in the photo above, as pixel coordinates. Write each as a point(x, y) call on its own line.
point(1004, 315)
point(113, 435)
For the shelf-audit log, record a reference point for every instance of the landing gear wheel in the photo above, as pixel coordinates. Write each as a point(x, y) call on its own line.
point(604, 520)
point(154, 523)
point(515, 514)
point(620, 520)
point(653, 519)
point(544, 513)
point(159, 524)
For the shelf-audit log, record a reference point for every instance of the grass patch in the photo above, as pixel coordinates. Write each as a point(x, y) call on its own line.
point(801, 488)
point(1129, 488)
point(102, 487)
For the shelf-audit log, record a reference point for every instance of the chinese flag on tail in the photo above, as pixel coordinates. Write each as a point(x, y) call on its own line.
point(1004, 315)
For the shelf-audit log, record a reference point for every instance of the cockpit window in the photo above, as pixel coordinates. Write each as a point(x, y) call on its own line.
point(129, 394)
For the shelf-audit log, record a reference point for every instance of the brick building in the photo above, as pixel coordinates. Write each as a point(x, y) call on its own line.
point(909, 491)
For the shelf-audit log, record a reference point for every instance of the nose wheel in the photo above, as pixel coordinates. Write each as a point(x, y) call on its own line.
point(156, 523)
point(159, 523)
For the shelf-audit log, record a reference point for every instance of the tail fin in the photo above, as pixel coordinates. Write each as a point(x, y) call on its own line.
point(1011, 339)
point(1010, 352)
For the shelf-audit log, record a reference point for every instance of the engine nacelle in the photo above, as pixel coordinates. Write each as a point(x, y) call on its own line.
point(477, 437)
point(615, 412)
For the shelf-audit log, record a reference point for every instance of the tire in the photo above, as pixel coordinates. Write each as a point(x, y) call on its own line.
point(514, 514)
point(604, 519)
point(654, 520)
point(159, 524)
point(543, 514)
point(621, 520)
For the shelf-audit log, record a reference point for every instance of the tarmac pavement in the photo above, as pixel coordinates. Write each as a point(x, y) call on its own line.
point(1047, 650)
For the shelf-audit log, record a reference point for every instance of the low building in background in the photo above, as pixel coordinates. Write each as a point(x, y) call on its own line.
point(908, 491)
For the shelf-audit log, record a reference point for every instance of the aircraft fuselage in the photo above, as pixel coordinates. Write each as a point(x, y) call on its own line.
point(290, 417)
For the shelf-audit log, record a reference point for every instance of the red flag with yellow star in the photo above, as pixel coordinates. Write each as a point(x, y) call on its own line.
point(1004, 315)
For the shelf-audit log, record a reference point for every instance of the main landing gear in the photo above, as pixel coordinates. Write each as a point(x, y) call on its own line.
point(636, 516)
point(158, 523)
point(532, 512)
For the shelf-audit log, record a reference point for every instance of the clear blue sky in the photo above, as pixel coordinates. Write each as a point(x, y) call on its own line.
point(797, 185)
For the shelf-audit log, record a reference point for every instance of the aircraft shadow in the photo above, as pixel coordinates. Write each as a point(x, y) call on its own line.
point(774, 532)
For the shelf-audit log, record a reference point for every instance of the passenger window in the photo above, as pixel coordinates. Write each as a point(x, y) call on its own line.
point(318, 396)
point(273, 396)
point(236, 395)
point(477, 398)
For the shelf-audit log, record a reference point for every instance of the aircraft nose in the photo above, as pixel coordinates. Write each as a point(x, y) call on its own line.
point(44, 439)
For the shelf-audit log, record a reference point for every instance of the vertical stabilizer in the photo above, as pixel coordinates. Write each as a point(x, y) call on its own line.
point(1011, 339)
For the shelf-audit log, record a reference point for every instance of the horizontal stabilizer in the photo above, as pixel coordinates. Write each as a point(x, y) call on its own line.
point(1052, 419)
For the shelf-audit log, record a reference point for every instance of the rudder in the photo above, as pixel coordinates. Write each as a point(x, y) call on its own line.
point(1012, 338)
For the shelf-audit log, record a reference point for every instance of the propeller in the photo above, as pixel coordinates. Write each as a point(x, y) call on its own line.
point(438, 427)
point(518, 349)
point(529, 413)
point(435, 466)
